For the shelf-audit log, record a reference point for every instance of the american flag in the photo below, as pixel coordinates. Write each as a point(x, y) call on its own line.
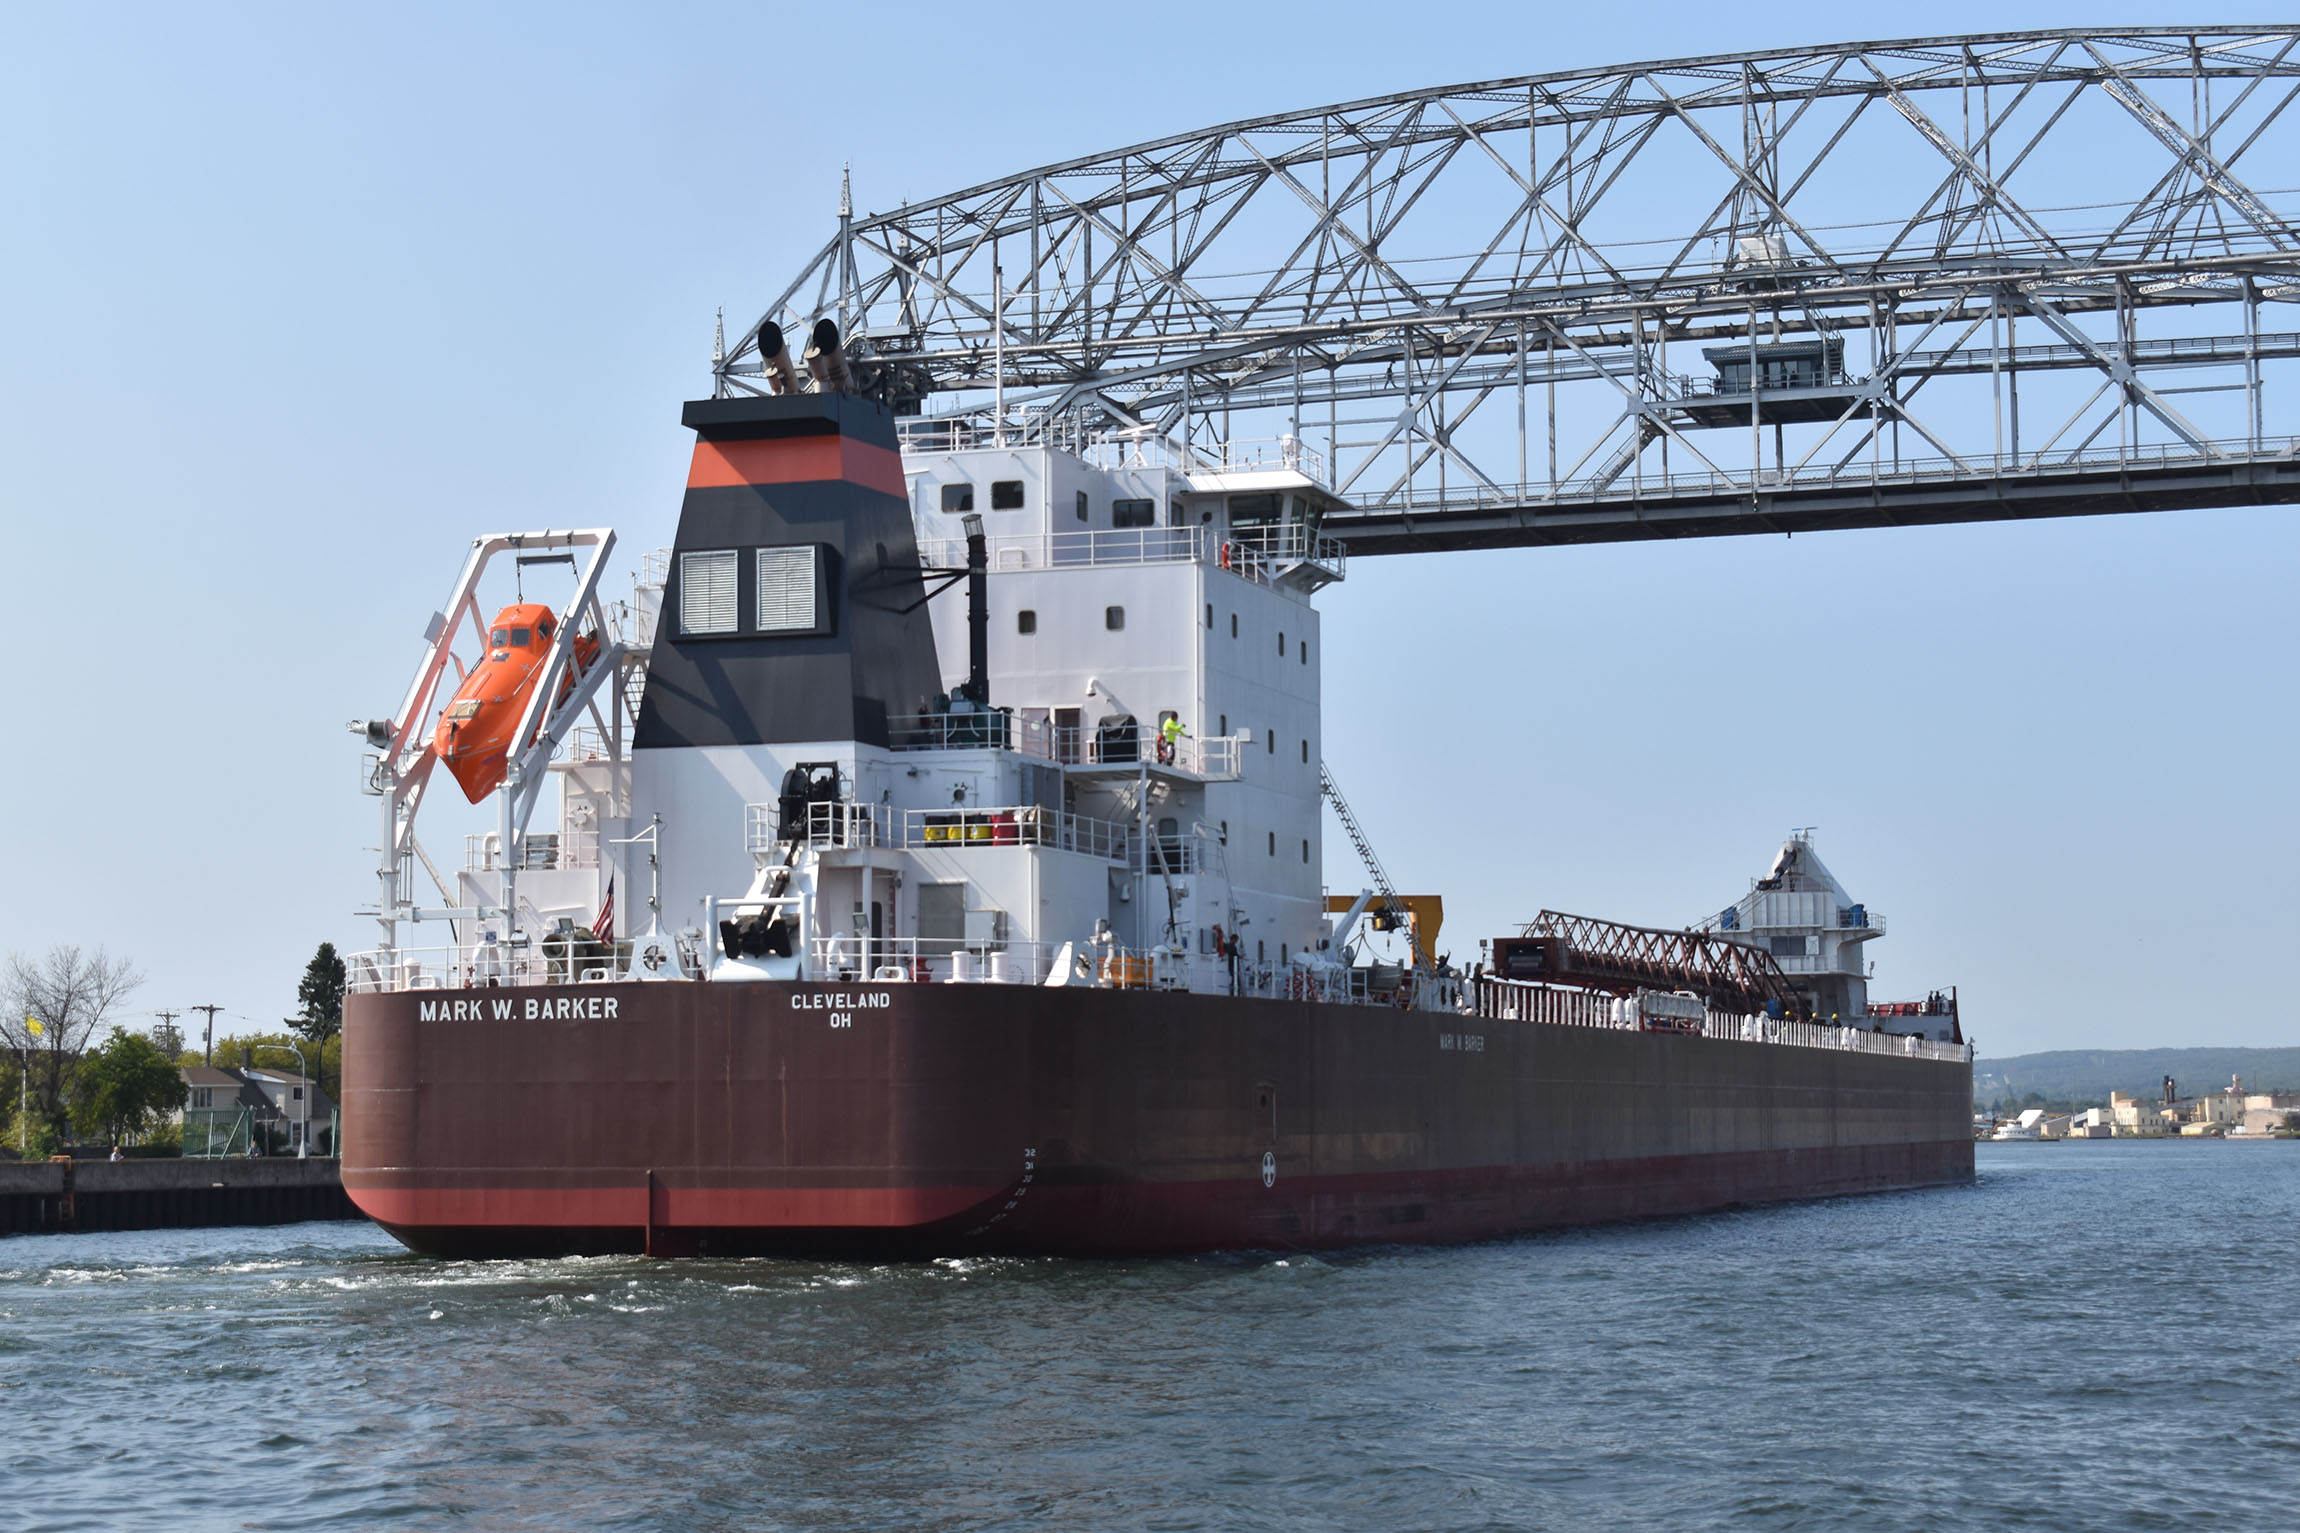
point(603, 925)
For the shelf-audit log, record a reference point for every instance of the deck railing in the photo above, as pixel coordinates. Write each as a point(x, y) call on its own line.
point(849, 827)
point(1220, 758)
point(486, 966)
point(1505, 1000)
point(1260, 554)
point(992, 959)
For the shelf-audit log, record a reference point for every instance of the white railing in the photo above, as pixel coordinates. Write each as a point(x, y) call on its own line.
point(839, 826)
point(585, 743)
point(1520, 1001)
point(482, 852)
point(950, 960)
point(1260, 554)
point(1221, 758)
point(477, 968)
point(1172, 856)
point(1282, 544)
point(847, 827)
point(974, 729)
point(1024, 825)
point(485, 966)
point(1092, 548)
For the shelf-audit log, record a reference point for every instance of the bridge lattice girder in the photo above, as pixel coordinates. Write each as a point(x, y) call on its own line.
point(1968, 213)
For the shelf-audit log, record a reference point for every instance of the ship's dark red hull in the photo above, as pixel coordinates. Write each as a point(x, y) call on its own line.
point(936, 1119)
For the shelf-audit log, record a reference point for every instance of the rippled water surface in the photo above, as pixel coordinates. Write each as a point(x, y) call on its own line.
point(2097, 1335)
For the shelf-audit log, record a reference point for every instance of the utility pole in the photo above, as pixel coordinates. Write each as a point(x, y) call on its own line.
point(171, 1041)
point(209, 1051)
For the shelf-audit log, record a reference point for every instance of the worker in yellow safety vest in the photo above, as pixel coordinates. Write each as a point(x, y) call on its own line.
point(1169, 733)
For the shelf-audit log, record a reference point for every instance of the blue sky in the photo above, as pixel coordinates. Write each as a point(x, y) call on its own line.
point(297, 300)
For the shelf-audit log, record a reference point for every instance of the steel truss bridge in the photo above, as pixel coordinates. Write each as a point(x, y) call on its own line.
point(1952, 279)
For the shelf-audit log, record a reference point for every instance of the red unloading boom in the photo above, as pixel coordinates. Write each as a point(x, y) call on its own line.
point(1605, 955)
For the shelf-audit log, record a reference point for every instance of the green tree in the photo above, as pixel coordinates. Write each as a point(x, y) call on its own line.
point(319, 1009)
point(50, 1006)
point(124, 1087)
point(319, 999)
point(12, 1091)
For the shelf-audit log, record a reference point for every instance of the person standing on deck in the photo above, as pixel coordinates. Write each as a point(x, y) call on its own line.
point(1169, 738)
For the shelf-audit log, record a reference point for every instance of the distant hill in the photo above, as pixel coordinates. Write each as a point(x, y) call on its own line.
point(2091, 1074)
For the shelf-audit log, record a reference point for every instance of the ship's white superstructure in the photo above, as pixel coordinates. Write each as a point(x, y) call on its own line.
point(1140, 798)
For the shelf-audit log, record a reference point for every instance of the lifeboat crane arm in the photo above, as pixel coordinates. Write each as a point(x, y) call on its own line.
point(405, 758)
point(549, 716)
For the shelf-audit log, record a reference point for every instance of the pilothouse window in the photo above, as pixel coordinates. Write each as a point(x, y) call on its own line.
point(1133, 513)
point(957, 497)
point(1005, 494)
point(707, 592)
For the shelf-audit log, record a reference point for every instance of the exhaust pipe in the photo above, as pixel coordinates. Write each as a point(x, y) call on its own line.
point(775, 357)
point(977, 611)
point(827, 362)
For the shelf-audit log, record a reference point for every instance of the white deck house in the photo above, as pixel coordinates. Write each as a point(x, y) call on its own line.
point(1813, 929)
point(1125, 588)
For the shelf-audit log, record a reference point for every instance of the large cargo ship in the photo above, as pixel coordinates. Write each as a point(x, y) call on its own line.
point(939, 869)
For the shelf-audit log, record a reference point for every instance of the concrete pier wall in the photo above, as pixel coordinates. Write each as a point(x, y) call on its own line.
point(55, 1197)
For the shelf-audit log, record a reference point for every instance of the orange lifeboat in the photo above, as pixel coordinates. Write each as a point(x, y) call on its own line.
point(474, 735)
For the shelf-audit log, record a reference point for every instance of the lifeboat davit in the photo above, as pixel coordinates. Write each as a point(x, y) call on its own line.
point(474, 736)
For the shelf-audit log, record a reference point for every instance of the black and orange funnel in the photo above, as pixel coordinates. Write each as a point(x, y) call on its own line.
point(792, 611)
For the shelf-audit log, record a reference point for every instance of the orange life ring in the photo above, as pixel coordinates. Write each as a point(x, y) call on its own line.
point(1225, 554)
point(1219, 950)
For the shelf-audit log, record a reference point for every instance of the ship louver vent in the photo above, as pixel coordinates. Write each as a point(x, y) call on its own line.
point(707, 602)
point(787, 589)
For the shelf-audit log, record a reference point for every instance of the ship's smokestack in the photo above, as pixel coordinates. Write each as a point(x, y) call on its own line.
point(775, 357)
point(977, 611)
point(827, 362)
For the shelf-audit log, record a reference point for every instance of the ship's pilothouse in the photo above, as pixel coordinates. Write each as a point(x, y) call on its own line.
point(935, 707)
